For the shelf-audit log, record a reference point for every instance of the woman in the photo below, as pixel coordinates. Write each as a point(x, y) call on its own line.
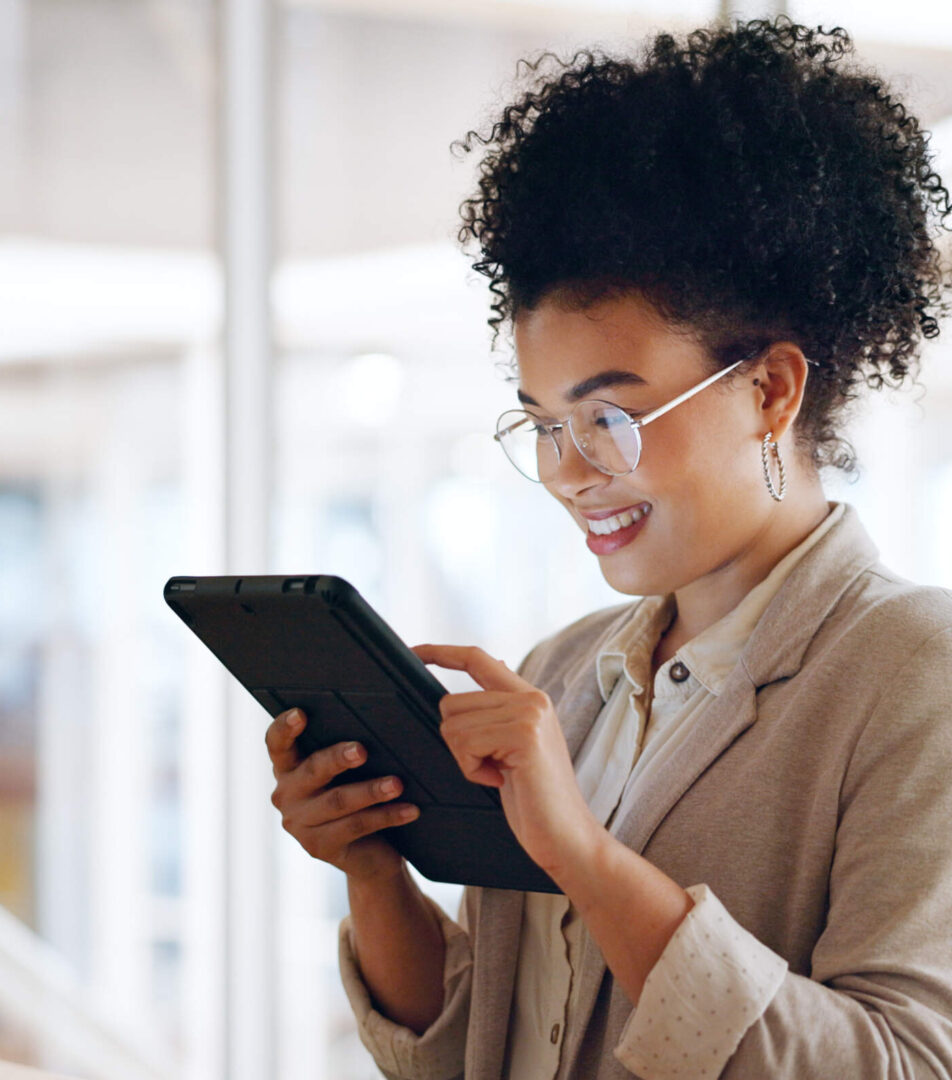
point(740, 782)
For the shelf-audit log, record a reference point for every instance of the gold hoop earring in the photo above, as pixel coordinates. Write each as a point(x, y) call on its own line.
point(765, 448)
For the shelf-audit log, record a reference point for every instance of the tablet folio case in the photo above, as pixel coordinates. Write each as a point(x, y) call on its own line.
point(313, 642)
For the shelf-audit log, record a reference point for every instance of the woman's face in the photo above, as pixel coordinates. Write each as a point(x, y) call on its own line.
point(698, 488)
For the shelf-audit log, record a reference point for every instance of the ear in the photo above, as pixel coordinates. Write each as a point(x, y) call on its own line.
point(780, 379)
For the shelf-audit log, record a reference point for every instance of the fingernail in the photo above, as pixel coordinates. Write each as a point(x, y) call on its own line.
point(408, 813)
point(295, 718)
point(388, 786)
point(352, 752)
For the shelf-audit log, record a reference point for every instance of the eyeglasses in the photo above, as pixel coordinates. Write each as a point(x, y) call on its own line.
point(604, 434)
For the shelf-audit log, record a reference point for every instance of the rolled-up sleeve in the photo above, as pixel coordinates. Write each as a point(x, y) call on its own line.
point(713, 980)
point(400, 1053)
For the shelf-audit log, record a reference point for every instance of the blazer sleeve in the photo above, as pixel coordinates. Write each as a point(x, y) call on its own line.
point(400, 1053)
point(878, 1002)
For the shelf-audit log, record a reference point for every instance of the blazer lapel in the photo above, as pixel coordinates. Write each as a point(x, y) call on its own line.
point(724, 720)
point(494, 966)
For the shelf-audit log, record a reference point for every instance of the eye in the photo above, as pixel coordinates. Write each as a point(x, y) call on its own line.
point(605, 416)
point(537, 426)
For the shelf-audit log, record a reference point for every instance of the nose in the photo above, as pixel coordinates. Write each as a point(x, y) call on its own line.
point(574, 473)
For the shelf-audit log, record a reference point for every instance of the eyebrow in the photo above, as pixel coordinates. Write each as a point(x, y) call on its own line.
point(595, 382)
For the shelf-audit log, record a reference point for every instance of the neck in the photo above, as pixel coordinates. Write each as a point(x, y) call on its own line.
point(703, 602)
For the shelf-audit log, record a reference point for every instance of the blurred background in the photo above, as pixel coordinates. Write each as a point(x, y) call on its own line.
point(236, 336)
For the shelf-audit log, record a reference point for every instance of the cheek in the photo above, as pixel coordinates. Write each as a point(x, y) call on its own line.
point(704, 465)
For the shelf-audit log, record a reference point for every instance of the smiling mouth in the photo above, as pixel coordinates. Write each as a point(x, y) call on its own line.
point(609, 525)
point(612, 532)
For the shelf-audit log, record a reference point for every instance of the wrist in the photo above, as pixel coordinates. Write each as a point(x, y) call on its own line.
point(392, 880)
point(583, 854)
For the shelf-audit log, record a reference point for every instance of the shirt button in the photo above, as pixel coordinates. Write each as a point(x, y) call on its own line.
point(554, 1034)
point(678, 672)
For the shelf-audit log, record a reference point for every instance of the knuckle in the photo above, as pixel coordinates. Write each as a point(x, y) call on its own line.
point(357, 826)
point(277, 797)
point(337, 800)
point(313, 768)
point(538, 701)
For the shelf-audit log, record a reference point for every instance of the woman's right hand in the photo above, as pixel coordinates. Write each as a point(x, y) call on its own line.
point(335, 824)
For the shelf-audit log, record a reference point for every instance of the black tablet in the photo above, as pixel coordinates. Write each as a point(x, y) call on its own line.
point(313, 642)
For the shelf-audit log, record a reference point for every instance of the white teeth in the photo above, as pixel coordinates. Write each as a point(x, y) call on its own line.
point(619, 521)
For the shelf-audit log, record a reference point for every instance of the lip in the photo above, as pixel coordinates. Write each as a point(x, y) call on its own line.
point(600, 515)
point(606, 545)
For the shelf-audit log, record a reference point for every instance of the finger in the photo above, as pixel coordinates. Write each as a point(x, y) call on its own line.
point(499, 734)
point(477, 768)
point(280, 740)
point(339, 801)
point(336, 835)
point(485, 670)
point(532, 703)
point(483, 744)
point(489, 742)
point(317, 770)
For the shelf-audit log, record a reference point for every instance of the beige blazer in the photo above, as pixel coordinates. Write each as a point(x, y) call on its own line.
point(815, 799)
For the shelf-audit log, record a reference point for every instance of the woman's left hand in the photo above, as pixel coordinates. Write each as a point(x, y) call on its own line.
point(507, 735)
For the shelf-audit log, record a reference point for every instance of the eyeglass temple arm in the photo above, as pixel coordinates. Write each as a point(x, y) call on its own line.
point(668, 406)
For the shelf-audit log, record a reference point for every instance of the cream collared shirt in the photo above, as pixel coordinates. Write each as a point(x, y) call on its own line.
point(643, 722)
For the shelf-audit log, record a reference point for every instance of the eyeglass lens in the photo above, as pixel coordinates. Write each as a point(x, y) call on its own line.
point(602, 432)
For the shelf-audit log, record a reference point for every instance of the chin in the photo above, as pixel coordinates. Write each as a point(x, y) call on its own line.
point(630, 582)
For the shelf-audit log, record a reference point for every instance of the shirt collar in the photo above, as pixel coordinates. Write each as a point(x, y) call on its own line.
point(630, 651)
point(712, 655)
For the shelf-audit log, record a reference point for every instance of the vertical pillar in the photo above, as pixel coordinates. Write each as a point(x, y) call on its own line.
point(246, 42)
point(13, 122)
point(204, 726)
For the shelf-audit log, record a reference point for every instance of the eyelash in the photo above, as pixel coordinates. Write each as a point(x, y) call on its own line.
point(634, 414)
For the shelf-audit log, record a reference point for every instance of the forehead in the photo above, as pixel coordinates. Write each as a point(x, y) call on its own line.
point(560, 348)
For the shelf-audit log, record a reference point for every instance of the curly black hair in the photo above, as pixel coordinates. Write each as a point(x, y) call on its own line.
point(749, 180)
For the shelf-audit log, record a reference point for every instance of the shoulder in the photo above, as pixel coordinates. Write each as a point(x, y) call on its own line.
point(880, 663)
point(881, 610)
point(841, 608)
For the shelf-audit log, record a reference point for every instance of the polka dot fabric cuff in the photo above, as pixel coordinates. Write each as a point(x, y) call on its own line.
point(438, 1053)
point(713, 981)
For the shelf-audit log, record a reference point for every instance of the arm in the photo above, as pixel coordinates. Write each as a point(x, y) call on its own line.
point(879, 1002)
point(508, 736)
point(397, 938)
point(398, 946)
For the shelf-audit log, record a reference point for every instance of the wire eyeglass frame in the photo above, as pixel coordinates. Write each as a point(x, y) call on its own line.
point(512, 419)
